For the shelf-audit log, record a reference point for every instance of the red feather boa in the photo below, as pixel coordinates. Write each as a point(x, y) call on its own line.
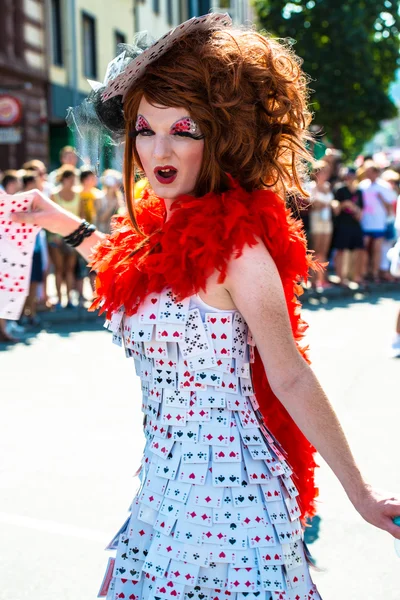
point(201, 236)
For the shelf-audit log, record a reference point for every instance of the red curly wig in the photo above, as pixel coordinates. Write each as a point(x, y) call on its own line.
point(249, 96)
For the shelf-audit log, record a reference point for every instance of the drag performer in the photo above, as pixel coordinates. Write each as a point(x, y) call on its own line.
point(199, 283)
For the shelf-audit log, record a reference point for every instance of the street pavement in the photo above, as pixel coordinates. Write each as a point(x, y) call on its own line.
point(71, 441)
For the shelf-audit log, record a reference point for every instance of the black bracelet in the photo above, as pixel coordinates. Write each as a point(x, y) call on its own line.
point(75, 238)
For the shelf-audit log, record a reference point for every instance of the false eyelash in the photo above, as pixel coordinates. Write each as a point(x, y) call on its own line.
point(133, 134)
point(189, 135)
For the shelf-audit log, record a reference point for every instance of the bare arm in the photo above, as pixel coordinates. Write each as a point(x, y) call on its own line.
point(293, 381)
point(53, 218)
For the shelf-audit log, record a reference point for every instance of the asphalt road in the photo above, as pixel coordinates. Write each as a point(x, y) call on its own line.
point(71, 441)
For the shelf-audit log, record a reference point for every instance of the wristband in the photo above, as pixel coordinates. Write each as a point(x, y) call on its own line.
point(75, 238)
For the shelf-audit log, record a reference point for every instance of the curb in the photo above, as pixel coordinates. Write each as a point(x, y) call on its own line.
point(310, 297)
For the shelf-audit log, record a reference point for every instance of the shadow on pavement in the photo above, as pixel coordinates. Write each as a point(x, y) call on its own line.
point(323, 301)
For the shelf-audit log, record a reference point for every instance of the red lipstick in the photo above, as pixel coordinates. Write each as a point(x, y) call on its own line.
point(166, 174)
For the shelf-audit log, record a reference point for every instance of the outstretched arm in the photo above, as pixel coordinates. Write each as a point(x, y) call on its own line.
point(47, 214)
point(264, 307)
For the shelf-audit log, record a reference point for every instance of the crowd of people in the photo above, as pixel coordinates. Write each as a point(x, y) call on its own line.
point(89, 197)
point(351, 219)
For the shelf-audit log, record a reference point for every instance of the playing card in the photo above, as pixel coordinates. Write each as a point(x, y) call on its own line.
point(147, 515)
point(195, 341)
point(196, 593)
point(226, 514)
point(126, 588)
point(114, 542)
point(212, 434)
point(234, 402)
point(226, 474)
point(288, 532)
point(195, 453)
point(166, 546)
point(134, 331)
point(239, 336)
point(293, 508)
point(195, 555)
point(252, 516)
point(295, 578)
point(246, 386)
point(168, 590)
point(242, 370)
point(168, 468)
point(186, 379)
point(190, 432)
point(257, 472)
point(221, 555)
point(220, 325)
point(289, 485)
point(223, 364)
point(210, 399)
point(153, 482)
point(206, 495)
point(197, 414)
point(272, 578)
point(273, 555)
point(199, 515)
point(193, 473)
point(176, 398)
point(173, 416)
point(220, 417)
point(156, 565)
point(169, 332)
point(215, 576)
point(131, 568)
point(164, 378)
point(262, 537)
point(272, 490)
point(150, 499)
point(105, 586)
point(247, 496)
point(172, 310)
point(188, 533)
point(231, 454)
point(229, 383)
point(242, 579)
point(245, 558)
point(293, 555)
point(182, 572)
point(155, 349)
point(208, 377)
point(164, 524)
point(176, 490)
point(260, 452)
point(277, 512)
point(203, 361)
point(148, 310)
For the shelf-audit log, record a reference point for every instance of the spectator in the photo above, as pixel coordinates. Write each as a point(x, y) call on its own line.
point(40, 168)
point(393, 179)
point(348, 236)
point(67, 157)
point(32, 180)
point(10, 330)
point(89, 194)
point(111, 201)
point(63, 256)
point(11, 182)
point(378, 198)
point(321, 225)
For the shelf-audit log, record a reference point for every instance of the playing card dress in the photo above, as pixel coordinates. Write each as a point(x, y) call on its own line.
point(216, 515)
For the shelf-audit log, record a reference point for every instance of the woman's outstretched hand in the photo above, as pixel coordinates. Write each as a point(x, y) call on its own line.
point(47, 214)
point(379, 509)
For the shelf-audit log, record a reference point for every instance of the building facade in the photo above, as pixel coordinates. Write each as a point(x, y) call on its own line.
point(83, 36)
point(23, 83)
point(158, 16)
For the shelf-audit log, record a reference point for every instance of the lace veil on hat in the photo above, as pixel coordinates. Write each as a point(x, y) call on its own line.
point(98, 123)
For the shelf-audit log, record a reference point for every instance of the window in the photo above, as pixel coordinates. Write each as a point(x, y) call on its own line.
point(156, 6)
point(56, 33)
point(89, 46)
point(170, 16)
point(120, 38)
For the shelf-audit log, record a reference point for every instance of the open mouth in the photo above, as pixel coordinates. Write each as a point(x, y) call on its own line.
point(165, 174)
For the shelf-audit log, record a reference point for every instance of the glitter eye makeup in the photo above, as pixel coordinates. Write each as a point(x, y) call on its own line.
point(186, 125)
point(141, 123)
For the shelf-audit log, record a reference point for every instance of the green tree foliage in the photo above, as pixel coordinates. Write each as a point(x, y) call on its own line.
point(350, 50)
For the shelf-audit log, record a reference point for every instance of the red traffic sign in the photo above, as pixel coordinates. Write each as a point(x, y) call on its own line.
point(10, 110)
